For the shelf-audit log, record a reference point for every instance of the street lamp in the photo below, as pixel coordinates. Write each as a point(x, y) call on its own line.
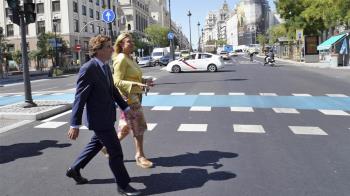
point(202, 46)
point(199, 38)
point(189, 23)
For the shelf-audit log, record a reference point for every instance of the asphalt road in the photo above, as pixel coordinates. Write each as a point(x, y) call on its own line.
point(211, 150)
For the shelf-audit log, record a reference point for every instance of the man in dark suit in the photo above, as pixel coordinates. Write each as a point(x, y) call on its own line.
point(95, 91)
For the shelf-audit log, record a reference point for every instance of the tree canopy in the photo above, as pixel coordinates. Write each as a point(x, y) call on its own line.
point(157, 35)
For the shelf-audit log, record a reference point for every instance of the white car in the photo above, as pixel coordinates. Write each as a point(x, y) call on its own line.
point(196, 62)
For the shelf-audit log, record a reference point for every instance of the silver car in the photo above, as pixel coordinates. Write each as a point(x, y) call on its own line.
point(145, 61)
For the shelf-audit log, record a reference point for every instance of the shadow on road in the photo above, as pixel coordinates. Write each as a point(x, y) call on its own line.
point(22, 150)
point(169, 182)
point(202, 159)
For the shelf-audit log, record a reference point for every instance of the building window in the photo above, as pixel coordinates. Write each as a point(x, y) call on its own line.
point(97, 15)
point(129, 27)
point(76, 25)
point(99, 29)
point(75, 7)
point(9, 30)
point(86, 44)
point(56, 22)
point(56, 6)
point(90, 1)
point(40, 8)
point(83, 10)
point(91, 13)
point(97, 2)
point(86, 29)
point(41, 27)
point(92, 27)
point(7, 12)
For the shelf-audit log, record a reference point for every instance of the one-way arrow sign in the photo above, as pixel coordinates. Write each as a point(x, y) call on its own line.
point(108, 16)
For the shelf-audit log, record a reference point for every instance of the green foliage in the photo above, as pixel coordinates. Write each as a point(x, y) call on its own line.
point(275, 32)
point(221, 42)
point(314, 16)
point(45, 50)
point(157, 35)
point(17, 56)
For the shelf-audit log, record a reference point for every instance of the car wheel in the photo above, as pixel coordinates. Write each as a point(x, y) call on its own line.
point(176, 69)
point(212, 68)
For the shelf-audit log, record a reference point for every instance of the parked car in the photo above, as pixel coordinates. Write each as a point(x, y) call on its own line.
point(196, 62)
point(145, 61)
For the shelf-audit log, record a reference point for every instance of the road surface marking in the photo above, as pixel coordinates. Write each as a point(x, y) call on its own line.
point(304, 130)
point(162, 108)
point(242, 109)
point(206, 93)
point(286, 110)
point(336, 95)
point(301, 95)
point(57, 94)
point(193, 127)
point(268, 94)
point(56, 116)
point(152, 93)
point(151, 126)
point(50, 125)
point(200, 109)
point(239, 128)
point(177, 93)
point(334, 112)
point(15, 125)
point(236, 93)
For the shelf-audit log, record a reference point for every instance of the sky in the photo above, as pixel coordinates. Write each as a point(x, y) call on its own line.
point(199, 10)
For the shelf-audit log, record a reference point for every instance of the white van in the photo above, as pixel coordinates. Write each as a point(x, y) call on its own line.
point(159, 52)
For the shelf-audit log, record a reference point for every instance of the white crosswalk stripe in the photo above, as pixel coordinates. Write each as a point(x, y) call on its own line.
point(334, 112)
point(206, 93)
point(240, 128)
point(162, 108)
point(200, 108)
point(268, 94)
point(285, 110)
point(193, 127)
point(50, 125)
point(301, 95)
point(236, 93)
point(336, 95)
point(242, 109)
point(305, 130)
point(178, 93)
point(151, 126)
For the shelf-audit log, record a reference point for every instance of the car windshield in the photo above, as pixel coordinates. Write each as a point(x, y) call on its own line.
point(157, 54)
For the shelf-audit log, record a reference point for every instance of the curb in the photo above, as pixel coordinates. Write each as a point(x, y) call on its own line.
point(35, 116)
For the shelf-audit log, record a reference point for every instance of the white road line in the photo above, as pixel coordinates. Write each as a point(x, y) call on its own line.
point(152, 93)
point(336, 95)
point(242, 109)
point(239, 128)
point(177, 93)
point(304, 130)
point(57, 94)
point(151, 126)
point(236, 93)
point(334, 112)
point(207, 93)
point(13, 126)
point(50, 125)
point(193, 127)
point(56, 116)
point(301, 95)
point(200, 109)
point(162, 108)
point(268, 94)
point(286, 110)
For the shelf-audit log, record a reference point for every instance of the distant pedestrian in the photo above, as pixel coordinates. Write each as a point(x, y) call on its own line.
point(96, 92)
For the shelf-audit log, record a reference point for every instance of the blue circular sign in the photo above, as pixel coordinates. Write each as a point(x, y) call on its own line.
point(170, 35)
point(108, 16)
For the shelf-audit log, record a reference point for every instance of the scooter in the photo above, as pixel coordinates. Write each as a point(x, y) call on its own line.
point(269, 61)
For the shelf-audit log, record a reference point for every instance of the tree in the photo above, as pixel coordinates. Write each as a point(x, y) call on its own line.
point(221, 42)
point(17, 57)
point(3, 48)
point(276, 32)
point(157, 35)
point(262, 39)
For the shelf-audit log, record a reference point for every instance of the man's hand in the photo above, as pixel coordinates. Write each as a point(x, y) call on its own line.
point(73, 133)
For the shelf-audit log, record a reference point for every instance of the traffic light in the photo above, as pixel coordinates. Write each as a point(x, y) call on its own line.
point(14, 11)
point(29, 11)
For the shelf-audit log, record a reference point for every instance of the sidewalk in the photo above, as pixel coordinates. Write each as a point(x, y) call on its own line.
point(317, 65)
point(18, 76)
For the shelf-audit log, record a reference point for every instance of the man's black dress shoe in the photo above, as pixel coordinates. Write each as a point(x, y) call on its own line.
point(76, 176)
point(128, 191)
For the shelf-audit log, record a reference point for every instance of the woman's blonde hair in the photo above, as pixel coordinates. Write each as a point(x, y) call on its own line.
point(117, 46)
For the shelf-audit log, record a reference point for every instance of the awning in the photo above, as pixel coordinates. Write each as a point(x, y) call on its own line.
point(326, 45)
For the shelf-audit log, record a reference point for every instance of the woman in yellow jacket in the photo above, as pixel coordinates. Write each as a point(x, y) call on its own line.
point(128, 79)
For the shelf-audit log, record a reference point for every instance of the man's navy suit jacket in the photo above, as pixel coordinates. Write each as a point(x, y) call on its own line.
point(94, 92)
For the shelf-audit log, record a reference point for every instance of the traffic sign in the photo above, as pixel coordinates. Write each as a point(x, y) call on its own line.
point(170, 35)
point(77, 47)
point(108, 16)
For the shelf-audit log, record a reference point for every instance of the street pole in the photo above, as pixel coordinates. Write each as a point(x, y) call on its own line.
point(81, 30)
point(172, 56)
point(26, 77)
point(110, 24)
point(56, 54)
point(199, 38)
point(189, 23)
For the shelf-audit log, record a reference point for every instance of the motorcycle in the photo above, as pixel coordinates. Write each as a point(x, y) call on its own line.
point(269, 61)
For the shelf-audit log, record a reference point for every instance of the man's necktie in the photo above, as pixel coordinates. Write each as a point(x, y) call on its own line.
point(105, 69)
